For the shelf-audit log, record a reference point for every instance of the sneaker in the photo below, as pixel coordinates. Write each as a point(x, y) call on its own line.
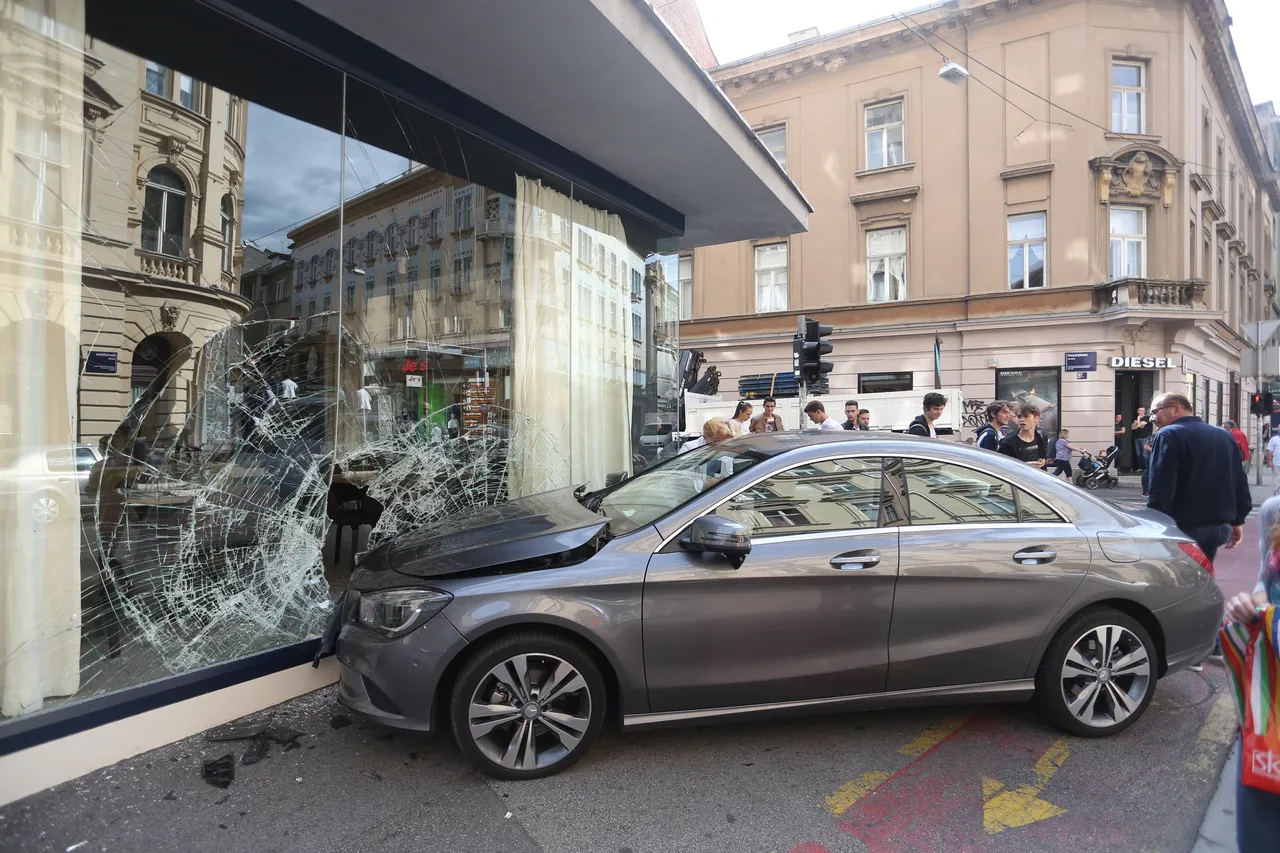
point(1196, 667)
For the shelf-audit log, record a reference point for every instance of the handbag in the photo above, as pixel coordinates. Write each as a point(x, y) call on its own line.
point(1252, 660)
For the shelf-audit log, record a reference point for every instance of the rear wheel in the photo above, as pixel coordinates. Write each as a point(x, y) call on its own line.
point(528, 705)
point(1099, 674)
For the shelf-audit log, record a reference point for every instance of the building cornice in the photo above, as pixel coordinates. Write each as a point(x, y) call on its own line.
point(881, 195)
point(1027, 171)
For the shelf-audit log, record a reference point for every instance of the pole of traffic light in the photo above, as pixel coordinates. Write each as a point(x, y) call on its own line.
point(1257, 361)
point(800, 380)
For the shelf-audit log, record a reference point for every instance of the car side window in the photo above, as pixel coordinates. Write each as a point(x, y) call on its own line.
point(84, 459)
point(59, 461)
point(838, 494)
point(1032, 509)
point(940, 493)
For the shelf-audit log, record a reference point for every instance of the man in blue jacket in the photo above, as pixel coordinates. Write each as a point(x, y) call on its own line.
point(1196, 476)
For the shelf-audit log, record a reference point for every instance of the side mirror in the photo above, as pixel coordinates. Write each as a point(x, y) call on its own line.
point(712, 534)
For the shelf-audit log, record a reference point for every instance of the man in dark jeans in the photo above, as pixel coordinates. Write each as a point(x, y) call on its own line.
point(1196, 476)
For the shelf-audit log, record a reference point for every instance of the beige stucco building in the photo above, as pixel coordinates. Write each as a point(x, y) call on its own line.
point(163, 193)
point(1098, 185)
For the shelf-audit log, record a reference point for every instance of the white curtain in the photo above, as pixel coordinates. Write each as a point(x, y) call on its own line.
point(39, 361)
point(572, 346)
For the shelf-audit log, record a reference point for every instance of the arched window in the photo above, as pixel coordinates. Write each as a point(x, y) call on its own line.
point(228, 232)
point(164, 212)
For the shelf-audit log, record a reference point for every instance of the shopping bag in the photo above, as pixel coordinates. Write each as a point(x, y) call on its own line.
point(1252, 659)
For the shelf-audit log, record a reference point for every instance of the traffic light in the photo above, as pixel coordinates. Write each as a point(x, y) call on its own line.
point(1268, 405)
point(1258, 403)
point(807, 352)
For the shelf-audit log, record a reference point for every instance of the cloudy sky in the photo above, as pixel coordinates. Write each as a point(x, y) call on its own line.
point(291, 172)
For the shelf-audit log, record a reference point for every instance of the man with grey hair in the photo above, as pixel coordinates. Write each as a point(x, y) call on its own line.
point(1196, 476)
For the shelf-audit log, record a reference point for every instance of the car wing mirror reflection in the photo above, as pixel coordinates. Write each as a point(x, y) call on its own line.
point(712, 534)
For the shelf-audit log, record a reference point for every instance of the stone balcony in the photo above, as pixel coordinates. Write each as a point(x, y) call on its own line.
point(166, 266)
point(43, 241)
point(1141, 294)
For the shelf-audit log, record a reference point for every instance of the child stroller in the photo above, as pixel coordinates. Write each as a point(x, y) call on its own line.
point(1095, 471)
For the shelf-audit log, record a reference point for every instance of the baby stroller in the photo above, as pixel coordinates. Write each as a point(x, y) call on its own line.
point(1095, 471)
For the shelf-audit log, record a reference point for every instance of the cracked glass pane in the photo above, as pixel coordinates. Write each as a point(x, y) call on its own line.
point(275, 339)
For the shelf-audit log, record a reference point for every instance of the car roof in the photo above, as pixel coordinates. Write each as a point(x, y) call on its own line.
point(773, 443)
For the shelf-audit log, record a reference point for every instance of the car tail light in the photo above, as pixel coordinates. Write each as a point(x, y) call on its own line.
point(1193, 551)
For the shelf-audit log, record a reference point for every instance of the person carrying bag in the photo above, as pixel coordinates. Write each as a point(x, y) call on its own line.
point(1251, 651)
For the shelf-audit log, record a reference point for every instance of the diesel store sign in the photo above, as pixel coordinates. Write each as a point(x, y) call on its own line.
point(1134, 361)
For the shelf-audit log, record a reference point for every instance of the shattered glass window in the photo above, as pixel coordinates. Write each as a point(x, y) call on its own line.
point(191, 477)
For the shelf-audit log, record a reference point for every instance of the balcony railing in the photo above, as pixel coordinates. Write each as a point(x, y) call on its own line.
point(494, 228)
point(1142, 294)
point(33, 238)
point(164, 266)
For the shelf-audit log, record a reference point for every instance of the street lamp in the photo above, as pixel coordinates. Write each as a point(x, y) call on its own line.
point(953, 72)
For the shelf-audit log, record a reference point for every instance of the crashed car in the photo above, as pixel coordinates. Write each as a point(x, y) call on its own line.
point(771, 574)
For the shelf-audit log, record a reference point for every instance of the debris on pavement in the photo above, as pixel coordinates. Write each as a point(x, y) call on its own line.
point(77, 846)
point(221, 800)
point(340, 721)
point(220, 772)
point(257, 750)
point(371, 774)
point(170, 796)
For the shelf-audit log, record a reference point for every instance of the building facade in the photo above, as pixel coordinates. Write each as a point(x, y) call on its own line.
point(1087, 218)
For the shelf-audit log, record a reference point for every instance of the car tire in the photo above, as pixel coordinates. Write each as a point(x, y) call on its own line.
point(1099, 674)
point(512, 736)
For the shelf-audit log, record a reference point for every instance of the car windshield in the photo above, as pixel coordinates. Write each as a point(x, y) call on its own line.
point(672, 484)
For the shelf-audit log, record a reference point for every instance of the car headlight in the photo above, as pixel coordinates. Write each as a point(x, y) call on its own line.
point(398, 611)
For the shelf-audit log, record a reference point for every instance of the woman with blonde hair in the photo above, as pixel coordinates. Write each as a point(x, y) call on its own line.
point(714, 431)
point(1257, 811)
point(741, 418)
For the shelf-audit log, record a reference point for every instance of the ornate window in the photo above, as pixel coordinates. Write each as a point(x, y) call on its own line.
point(164, 212)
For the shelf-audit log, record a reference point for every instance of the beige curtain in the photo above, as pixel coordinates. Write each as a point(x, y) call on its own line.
point(572, 343)
point(40, 171)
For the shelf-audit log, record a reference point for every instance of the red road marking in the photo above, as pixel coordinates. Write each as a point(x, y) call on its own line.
point(938, 805)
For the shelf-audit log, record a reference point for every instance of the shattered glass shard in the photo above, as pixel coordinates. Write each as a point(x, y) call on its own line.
point(220, 772)
point(257, 750)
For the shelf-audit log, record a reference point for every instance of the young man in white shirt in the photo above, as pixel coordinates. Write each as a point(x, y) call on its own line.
point(818, 414)
point(1273, 459)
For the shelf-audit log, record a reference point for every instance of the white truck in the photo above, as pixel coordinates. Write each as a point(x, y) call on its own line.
point(890, 412)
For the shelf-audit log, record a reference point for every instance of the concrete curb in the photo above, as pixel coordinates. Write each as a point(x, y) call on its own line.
point(1218, 829)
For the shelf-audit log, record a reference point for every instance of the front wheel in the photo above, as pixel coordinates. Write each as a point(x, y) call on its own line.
point(1099, 674)
point(1091, 484)
point(527, 705)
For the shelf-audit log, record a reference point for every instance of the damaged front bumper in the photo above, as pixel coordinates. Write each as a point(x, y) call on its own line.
point(392, 681)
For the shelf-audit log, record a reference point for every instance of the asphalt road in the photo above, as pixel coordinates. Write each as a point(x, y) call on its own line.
point(953, 779)
point(946, 779)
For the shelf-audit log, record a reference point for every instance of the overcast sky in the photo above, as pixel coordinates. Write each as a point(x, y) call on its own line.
point(742, 28)
point(291, 173)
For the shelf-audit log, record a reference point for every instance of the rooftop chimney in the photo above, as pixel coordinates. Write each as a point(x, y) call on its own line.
point(801, 35)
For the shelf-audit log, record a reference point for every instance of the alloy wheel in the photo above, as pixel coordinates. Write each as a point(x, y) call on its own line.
point(1106, 676)
point(529, 712)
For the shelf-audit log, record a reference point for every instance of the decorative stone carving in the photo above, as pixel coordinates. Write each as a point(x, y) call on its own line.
point(173, 148)
point(169, 316)
point(1137, 173)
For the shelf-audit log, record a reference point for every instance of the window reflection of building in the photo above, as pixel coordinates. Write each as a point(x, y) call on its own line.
point(839, 494)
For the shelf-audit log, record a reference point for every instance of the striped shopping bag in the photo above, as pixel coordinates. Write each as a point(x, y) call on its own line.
point(1252, 657)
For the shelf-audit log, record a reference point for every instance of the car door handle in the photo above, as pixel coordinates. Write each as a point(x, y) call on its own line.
point(1035, 556)
point(856, 560)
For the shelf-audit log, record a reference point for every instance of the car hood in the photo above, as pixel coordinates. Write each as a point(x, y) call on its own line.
point(519, 534)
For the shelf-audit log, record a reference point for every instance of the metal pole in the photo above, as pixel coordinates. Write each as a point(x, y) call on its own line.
point(1265, 417)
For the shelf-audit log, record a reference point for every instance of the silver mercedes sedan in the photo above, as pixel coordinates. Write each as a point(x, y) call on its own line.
point(774, 574)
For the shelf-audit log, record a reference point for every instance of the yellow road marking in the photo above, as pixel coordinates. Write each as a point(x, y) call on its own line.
point(933, 736)
point(850, 792)
point(1219, 729)
point(1005, 809)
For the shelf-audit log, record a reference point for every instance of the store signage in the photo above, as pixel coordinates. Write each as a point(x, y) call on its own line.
point(101, 361)
point(413, 380)
point(411, 366)
point(1081, 361)
point(1135, 361)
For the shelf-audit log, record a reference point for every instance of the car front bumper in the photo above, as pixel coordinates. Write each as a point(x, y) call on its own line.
point(1191, 627)
point(394, 682)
